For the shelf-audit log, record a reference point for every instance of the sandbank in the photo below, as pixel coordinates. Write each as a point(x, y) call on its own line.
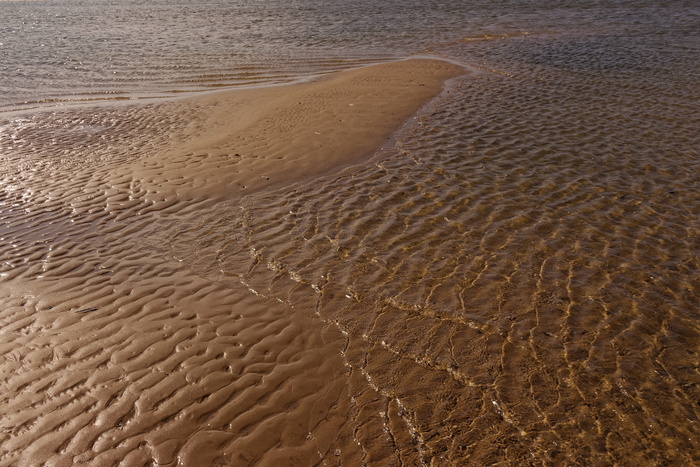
point(254, 138)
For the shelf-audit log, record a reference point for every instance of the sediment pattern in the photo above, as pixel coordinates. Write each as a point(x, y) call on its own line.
point(113, 354)
point(517, 279)
point(513, 282)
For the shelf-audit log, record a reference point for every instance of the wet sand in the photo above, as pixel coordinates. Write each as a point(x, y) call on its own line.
point(511, 280)
point(117, 351)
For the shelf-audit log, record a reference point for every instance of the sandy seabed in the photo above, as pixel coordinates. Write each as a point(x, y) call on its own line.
point(114, 351)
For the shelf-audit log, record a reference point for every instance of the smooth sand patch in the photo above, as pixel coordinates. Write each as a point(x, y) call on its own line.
point(254, 138)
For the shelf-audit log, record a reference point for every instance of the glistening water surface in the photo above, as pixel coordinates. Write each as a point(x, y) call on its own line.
point(57, 50)
point(514, 280)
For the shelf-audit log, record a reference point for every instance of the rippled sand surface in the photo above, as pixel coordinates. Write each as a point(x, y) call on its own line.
point(116, 348)
point(513, 279)
point(517, 281)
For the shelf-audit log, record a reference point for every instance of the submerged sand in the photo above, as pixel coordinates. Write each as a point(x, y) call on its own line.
point(115, 351)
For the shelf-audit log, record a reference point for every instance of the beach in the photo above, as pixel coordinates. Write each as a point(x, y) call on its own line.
point(434, 233)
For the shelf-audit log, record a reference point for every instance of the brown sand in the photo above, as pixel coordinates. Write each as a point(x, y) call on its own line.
point(114, 351)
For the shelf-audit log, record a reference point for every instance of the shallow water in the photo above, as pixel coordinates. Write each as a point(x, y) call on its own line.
point(514, 279)
point(83, 49)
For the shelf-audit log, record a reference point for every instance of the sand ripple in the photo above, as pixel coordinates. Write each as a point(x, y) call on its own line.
point(513, 281)
point(516, 281)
